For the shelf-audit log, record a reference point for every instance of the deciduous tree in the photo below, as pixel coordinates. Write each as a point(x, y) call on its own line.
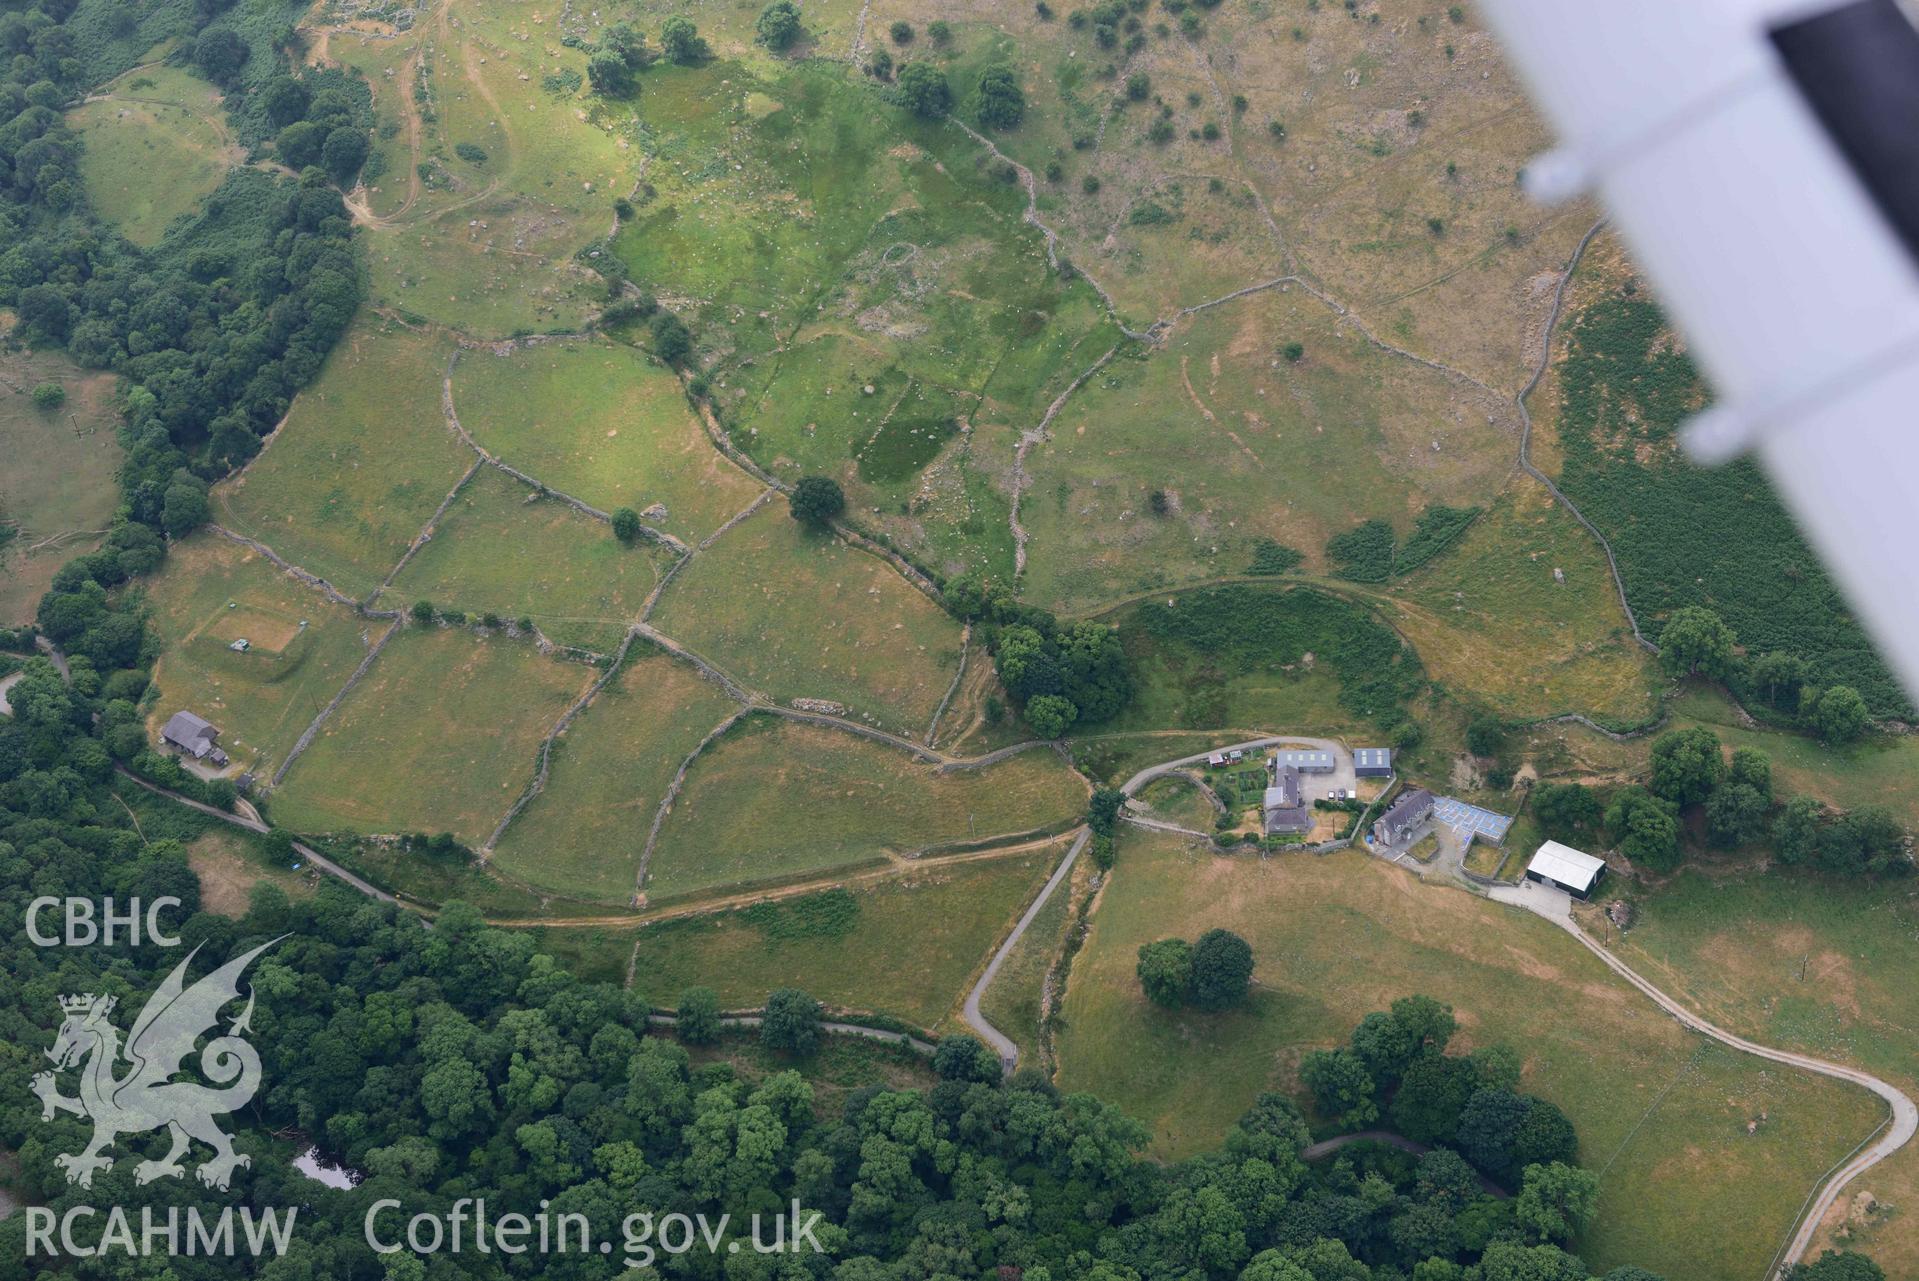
point(1165, 971)
point(1696, 641)
point(816, 502)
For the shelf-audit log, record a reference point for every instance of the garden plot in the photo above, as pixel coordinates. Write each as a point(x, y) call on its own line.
point(605, 424)
point(797, 614)
point(298, 648)
point(440, 735)
point(1243, 442)
point(777, 800)
point(361, 463)
point(584, 833)
point(507, 550)
point(1689, 1190)
point(904, 945)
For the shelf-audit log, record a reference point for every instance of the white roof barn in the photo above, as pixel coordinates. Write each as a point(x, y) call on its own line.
point(1572, 870)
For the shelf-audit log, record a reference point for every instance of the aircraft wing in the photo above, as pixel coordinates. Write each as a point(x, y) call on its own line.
point(1762, 159)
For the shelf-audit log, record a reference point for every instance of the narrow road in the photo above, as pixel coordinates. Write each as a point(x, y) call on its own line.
point(1151, 772)
point(1001, 1043)
point(304, 850)
point(1557, 908)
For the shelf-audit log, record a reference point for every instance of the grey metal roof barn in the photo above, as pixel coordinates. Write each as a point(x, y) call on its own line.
point(1305, 761)
point(1372, 762)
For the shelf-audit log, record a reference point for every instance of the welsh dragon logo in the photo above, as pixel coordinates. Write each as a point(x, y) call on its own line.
point(147, 1097)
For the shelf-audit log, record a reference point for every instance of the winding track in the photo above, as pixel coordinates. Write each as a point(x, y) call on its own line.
point(1002, 1043)
point(1895, 1134)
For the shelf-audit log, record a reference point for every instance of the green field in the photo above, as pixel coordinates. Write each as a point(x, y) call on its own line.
point(1245, 444)
point(491, 246)
point(872, 305)
point(779, 799)
point(904, 945)
point(1805, 963)
point(1880, 770)
point(57, 490)
point(439, 736)
point(361, 463)
point(605, 424)
point(1488, 616)
point(155, 146)
point(1687, 1191)
point(584, 833)
point(802, 615)
point(502, 549)
point(301, 647)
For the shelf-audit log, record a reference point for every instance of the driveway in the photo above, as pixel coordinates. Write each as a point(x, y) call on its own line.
point(1345, 758)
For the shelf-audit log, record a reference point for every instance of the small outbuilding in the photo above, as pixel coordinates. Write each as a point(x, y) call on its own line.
point(1566, 868)
point(1403, 817)
point(1373, 762)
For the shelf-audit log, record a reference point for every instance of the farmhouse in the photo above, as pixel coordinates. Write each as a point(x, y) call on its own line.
point(1283, 808)
point(1566, 868)
point(192, 736)
point(1304, 762)
point(1373, 762)
point(1414, 806)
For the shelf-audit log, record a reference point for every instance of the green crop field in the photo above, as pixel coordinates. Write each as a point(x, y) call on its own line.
point(905, 945)
point(155, 146)
point(802, 615)
point(1687, 1191)
point(584, 833)
point(738, 820)
point(605, 424)
point(1807, 963)
point(360, 465)
point(439, 736)
point(57, 491)
point(301, 647)
point(503, 549)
